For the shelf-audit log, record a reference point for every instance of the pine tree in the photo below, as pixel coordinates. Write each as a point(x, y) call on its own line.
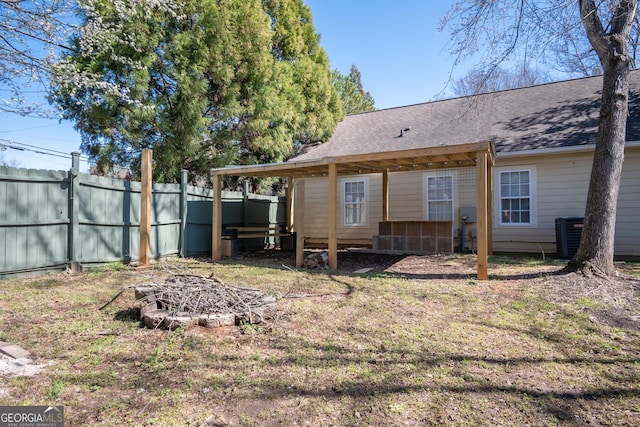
point(297, 48)
point(352, 95)
point(204, 83)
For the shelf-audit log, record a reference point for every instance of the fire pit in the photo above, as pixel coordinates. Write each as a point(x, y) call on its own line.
point(185, 300)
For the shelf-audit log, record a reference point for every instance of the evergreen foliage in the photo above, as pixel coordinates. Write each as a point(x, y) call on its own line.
point(204, 83)
point(354, 98)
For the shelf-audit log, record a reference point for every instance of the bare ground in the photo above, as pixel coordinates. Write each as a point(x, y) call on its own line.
point(416, 340)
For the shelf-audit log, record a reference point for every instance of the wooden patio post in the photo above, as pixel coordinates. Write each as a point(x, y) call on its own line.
point(385, 195)
point(333, 221)
point(483, 207)
point(298, 221)
point(490, 207)
point(216, 222)
point(145, 208)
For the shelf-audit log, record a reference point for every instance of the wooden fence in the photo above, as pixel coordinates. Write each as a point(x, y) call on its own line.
point(49, 219)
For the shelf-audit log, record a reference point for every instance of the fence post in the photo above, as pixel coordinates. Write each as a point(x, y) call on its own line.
point(145, 208)
point(290, 204)
point(74, 208)
point(245, 202)
point(216, 221)
point(183, 213)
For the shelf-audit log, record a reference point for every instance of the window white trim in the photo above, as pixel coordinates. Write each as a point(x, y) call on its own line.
point(425, 192)
point(533, 196)
point(363, 204)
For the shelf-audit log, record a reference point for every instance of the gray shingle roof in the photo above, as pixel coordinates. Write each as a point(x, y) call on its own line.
point(551, 115)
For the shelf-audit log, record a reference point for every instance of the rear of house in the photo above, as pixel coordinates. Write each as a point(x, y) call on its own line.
point(544, 138)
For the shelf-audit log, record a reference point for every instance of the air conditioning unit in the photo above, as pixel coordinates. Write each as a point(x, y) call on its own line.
point(568, 235)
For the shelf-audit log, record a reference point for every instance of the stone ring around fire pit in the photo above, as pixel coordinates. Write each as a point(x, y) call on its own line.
point(177, 304)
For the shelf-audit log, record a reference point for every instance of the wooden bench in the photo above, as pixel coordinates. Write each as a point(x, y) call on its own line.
point(234, 234)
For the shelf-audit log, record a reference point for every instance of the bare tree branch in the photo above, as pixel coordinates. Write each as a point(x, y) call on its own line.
point(31, 35)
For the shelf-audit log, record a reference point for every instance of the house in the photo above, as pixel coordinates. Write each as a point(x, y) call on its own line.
point(399, 168)
point(544, 138)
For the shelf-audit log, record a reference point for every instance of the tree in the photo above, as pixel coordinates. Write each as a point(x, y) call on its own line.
point(204, 83)
point(504, 26)
point(296, 46)
point(595, 252)
point(120, 86)
point(475, 82)
point(575, 55)
point(31, 34)
point(352, 95)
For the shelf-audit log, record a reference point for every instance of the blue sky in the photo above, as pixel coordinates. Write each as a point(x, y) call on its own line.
point(395, 45)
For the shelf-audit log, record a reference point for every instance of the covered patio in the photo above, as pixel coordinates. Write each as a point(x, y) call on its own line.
point(480, 155)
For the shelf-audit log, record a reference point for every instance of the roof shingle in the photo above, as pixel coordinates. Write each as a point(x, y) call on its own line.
point(552, 115)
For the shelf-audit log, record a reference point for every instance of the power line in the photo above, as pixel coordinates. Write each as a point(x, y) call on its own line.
point(19, 146)
point(29, 128)
point(24, 91)
point(49, 138)
point(34, 146)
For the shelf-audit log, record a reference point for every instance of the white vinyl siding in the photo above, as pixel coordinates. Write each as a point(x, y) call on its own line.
point(316, 216)
point(627, 217)
point(558, 187)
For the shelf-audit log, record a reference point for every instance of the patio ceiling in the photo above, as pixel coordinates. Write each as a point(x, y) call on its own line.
point(464, 155)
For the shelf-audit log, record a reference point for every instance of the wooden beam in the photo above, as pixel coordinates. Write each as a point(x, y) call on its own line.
point(298, 221)
point(333, 220)
point(418, 164)
point(414, 153)
point(145, 208)
point(216, 224)
point(369, 167)
point(483, 208)
point(275, 169)
point(380, 160)
point(385, 195)
point(490, 206)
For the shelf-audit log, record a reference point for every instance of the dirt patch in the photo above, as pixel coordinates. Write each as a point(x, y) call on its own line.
point(620, 295)
point(618, 291)
point(414, 340)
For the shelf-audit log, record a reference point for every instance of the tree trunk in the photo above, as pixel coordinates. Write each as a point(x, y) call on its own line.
point(595, 253)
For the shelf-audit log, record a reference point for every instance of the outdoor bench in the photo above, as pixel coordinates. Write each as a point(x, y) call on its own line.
point(272, 236)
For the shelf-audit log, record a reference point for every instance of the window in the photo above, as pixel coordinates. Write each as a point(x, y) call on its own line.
point(439, 197)
point(515, 197)
point(355, 202)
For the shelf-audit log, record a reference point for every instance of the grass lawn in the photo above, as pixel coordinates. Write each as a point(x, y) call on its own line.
point(385, 348)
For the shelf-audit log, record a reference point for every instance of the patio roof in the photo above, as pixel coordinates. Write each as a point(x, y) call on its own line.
point(480, 155)
point(449, 156)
